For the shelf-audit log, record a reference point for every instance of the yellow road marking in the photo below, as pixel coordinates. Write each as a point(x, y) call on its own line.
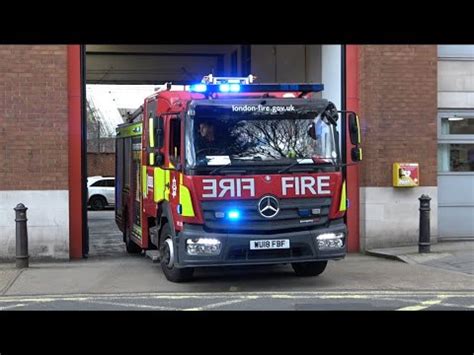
point(239, 295)
point(12, 306)
point(214, 305)
point(422, 305)
point(131, 305)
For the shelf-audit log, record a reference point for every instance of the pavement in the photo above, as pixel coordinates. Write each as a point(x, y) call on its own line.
point(455, 256)
point(112, 279)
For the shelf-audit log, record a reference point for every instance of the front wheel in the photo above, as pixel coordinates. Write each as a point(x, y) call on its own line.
point(168, 257)
point(309, 268)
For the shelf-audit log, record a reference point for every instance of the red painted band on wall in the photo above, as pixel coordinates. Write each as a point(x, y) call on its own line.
point(75, 144)
point(352, 104)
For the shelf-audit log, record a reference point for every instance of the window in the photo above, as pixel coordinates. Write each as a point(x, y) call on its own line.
point(456, 51)
point(456, 157)
point(457, 125)
point(110, 182)
point(456, 142)
point(258, 139)
point(100, 183)
point(175, 140)
point(119, 174)
point(127, 159)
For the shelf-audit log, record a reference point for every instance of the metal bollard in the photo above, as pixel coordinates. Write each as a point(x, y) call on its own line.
point(424, 238)
point(21, 236)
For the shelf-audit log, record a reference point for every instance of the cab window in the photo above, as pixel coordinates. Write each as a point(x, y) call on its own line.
point(175, 140)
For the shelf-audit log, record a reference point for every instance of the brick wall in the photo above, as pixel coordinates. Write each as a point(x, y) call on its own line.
point(398, 93)
point(33, 117)
point(101, 164)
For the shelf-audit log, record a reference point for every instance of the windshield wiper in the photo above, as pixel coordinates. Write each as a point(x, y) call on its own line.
point(312, 166)
point(288, 167)
point(212, 172)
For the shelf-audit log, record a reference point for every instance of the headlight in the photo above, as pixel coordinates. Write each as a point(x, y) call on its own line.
point(330, 240)
point(203, 246)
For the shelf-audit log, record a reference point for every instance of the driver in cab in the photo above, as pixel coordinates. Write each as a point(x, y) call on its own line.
point(206, 142)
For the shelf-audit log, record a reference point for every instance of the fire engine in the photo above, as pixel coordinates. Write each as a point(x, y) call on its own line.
point(228, 171)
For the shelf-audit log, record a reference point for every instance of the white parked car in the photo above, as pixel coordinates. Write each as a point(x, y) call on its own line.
point(101, 192)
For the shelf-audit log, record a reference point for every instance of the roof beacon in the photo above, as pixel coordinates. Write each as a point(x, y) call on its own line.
point(210, 79)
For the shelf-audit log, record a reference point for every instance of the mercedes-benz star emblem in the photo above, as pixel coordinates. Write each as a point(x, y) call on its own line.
point(268, 206)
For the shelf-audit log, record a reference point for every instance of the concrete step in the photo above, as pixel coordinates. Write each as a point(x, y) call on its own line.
point(408, 255)
point(154, 255)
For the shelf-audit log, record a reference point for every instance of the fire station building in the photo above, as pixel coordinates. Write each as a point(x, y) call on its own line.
point(415, 103)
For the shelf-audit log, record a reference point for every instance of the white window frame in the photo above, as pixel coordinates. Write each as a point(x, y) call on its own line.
point(454, 138)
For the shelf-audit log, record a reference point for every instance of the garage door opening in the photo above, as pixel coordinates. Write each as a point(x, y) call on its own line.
point(118, 79)
point(116, 69)
point(107, 106)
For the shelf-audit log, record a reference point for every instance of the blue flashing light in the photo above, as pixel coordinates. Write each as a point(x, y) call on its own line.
point(233, 215)
point(234, 87)
point(224, 87)
point(199, 87)
point(304, 213)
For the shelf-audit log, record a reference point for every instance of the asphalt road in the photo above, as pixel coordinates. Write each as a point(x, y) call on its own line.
point(248, 301)
point(113, 280)
point(105, 239)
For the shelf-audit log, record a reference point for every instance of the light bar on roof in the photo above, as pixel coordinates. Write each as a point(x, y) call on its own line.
point(233, 88)
point(198, 88)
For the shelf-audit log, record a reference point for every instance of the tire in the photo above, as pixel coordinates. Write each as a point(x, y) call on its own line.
point(130, 245)
point(167, 257)
point(309, 268)
point(98, 203)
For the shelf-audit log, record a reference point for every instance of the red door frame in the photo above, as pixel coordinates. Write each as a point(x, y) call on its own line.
point(352, 172)
point(77, 168)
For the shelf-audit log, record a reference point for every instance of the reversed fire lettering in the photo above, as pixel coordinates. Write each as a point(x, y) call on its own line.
point(292, 185)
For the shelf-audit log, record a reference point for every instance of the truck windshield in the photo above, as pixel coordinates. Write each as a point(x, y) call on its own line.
point(254, 140)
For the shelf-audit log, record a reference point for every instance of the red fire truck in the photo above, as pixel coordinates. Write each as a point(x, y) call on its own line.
point(232, 172)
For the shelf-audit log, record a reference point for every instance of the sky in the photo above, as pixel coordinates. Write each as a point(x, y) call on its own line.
point(107, 99)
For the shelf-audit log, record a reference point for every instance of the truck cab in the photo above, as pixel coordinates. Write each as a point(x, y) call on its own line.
point(229, 172)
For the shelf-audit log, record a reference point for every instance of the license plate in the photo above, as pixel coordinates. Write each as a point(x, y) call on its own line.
point(270, 244)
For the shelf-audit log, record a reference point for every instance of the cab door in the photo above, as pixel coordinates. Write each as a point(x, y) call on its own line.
point(135, 189)
point(174, 157)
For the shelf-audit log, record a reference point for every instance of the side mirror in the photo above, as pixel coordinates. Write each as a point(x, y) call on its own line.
point(159, 132)
point(159, 159)
point(354, 129)
point(331, 113)
point(155, 140)
point(356, 154)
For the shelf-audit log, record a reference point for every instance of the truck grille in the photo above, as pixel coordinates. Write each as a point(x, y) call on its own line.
point(251, 221)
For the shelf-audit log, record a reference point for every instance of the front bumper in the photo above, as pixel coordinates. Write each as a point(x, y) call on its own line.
point(235, 249)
